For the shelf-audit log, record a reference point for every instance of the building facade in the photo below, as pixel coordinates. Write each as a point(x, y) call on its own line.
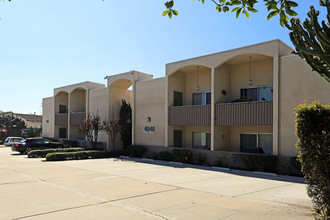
point(240, 100)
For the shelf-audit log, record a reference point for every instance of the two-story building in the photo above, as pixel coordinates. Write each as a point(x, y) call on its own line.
point(239, 100)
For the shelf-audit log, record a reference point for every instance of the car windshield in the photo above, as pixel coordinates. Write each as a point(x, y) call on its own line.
point(22, 140)
point(7, 139)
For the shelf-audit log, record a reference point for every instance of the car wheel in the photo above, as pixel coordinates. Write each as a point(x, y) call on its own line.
point(27, 150)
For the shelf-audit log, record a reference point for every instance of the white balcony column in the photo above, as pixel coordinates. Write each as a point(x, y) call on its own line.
point(212, 110)
point(276, 104)
point(166, 110)
point(69, 116)
point(133, 112)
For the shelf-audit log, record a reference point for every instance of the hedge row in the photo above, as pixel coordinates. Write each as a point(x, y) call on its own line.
point(90, 154)
point(313, 131)
point(43, 153)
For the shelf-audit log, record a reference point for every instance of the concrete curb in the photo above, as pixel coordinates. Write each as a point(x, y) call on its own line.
point(221, 168)
point(265, 173)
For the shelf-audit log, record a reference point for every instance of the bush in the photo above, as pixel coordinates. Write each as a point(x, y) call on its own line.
point(70, 143)
point(265, 163)
point(165, 155)
point(200, 158)
point(43, 153)
point(181, 155)
point(90, 154)
point(153, 155)
point(313, 131)
point(118, 153)
point(136, 151)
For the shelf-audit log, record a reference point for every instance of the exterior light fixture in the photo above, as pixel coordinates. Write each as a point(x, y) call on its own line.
point(250, 80)
point(197, 86)
point(148, 119)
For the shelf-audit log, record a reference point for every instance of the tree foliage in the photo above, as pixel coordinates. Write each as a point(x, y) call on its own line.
point(313, 131)
point(281, 8)
point(112, 128)
point(125, 122)
point(12, 125)
point(90, 127)
point(312, 40)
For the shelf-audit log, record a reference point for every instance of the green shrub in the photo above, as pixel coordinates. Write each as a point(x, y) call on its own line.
point(90, 154)
point(153, 155)
point(70, 143)
point(200, 158)
point(219, 162)
point(165, 155)
point(43, 153)
point(136, 151)
point(182, 155)
point(265, 163)
point(313, 131)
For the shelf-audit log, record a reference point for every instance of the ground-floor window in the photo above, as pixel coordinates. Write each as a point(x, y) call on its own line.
point(177, 142)
point(202, 140)
point(257, 143)
point(62, 133)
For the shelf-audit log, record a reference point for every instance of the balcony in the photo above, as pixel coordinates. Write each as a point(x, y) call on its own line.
point(194, 115)
point(61, 119)
point(76, 118)
point(244, 113)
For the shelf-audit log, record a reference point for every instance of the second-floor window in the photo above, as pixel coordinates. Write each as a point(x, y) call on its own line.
point(202, 98)
point(63, 109)
point(260, 93)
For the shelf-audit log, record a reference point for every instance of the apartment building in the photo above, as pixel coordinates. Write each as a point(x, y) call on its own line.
point(240, 100)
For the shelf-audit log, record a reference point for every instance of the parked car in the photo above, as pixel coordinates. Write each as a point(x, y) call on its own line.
point(26, 145)
point(9, 141)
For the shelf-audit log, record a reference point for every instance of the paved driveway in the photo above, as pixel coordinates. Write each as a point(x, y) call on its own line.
point(128, 189)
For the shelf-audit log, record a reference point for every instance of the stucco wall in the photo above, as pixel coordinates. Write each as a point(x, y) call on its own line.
point(78, 101)
point(150, 102)
point(176, 82)
point(261, 75)
point(98, 106)
point(222, 79)
point(48, 119)
point(61, 98)
point(204, 83)
point(297, 84)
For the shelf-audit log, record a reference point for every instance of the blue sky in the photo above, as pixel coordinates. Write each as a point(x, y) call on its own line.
point(47, 44)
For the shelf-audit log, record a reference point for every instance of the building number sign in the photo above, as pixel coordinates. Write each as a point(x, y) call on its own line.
point(149, 128)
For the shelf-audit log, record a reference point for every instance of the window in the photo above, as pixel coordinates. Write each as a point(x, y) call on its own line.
point(178, 100)
point(203, 98)
point(63, 109)
point(202, 140)
point(260, 93)
point(249, 94)
point(62, 132)
point(177, 134)
point(257, 143)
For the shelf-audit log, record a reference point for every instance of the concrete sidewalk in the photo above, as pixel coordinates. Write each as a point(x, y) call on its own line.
point(125, 189)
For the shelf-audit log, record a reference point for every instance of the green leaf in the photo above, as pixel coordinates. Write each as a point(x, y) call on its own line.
point(170, 14)
point(175, 12)
point(165, 13)
point(291, 13)
point(292, 4)
point(235, 9)
point(272, 14)
point(247, 14)
point(238, 12)
point(218, 8)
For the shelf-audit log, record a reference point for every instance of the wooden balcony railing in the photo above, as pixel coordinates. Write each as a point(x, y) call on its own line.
point(199, 115)
point(244, 113)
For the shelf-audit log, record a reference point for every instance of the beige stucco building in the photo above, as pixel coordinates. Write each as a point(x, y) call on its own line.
point(239, 100)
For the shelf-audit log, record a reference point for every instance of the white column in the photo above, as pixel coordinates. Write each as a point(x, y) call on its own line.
point(212, 109)
point(276, 89)
point(133, 113)
point(69, 116)
point(166, 110)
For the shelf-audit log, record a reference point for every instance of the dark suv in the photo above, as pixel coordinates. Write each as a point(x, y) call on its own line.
point(26, 145)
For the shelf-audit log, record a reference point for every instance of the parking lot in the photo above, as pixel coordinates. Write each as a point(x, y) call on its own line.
point(135, 189)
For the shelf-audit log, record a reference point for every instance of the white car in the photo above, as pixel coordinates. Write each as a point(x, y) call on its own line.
point(12, 140)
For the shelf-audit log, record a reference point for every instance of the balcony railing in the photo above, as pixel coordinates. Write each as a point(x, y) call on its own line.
point(244, 113)
point(199, 115)
point(61, 119)
point(76, 118)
